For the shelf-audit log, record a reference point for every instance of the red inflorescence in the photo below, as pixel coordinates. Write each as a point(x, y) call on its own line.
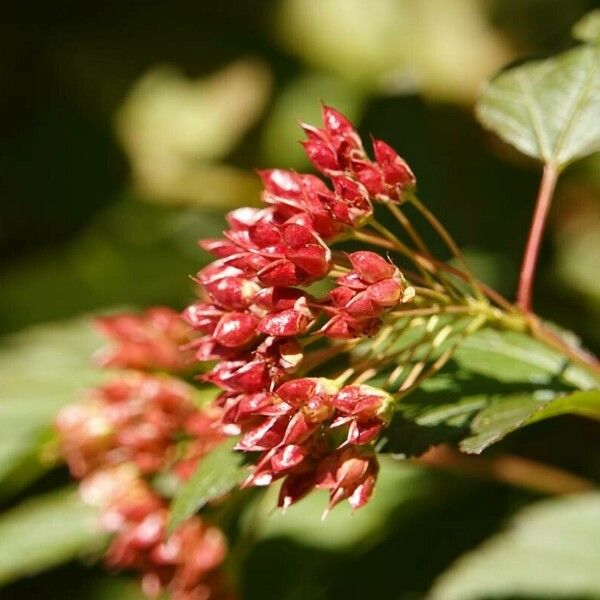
point(137, 425)
point(255, 319)
point(184, 564)
point(252, 316)
point(152, 341)
point(136, 418)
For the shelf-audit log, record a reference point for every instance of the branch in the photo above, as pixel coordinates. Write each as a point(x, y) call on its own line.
point(532, 250)
point(510, 469)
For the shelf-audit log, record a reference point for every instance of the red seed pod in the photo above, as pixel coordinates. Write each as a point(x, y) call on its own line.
point(350, 204)
point(219, 247)
point(295, 487)
point(371, 267)
point(349, 474)
point(396, 172)
point(202, 316)
point(150, 341)
point(264, 436)
point(299, 392)
point(278, 298)
point(386, 293)
point(240, 376)
point(232, 293)
point(235, 329)
point(345, 327)
point(332, 148)
point(320, 153)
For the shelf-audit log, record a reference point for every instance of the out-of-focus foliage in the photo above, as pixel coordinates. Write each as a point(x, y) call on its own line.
point(442, 49)
point(549, 551)
point(218, 473)
point(41, 369)
point(588, 28)
point(46, 531)
point(175, 131)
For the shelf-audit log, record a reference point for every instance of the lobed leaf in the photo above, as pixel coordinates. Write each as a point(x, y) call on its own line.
point(548, 109)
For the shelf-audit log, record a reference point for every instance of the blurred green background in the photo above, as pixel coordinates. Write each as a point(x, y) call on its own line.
point(131, 127)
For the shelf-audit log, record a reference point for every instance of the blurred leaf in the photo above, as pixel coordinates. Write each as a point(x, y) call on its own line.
point(299, 101)
point(399, 484)
point(550, 550)
point(47, 531)
point(587, 29)
point(41, 369)
point(548, 109)
point(217, 473)
point(443, 49)
point(174, 129)
point(132, 254)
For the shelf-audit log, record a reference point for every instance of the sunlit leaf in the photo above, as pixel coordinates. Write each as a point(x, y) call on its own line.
point(548, 109)
point(513, 357)
point(585, 404)
point(217, 473)
point(174, 128)
point(587, 29)
point(46, 531)
point(442, 49)
point(550, 550)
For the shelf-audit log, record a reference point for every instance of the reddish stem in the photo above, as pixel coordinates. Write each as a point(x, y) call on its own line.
point(532, 250)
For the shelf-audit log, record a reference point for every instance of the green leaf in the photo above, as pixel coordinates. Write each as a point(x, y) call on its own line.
point(41, 369)
point(512, 357)
point(585, 404)
point(550, 550)
point(501, 416)
point(47, 531)
point(548, 109)
point(505, 381)
point(217, 473)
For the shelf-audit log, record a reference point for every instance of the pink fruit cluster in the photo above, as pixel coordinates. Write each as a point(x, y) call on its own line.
point(314, 435)
point(185, 564)
point(153, 340)
point(256, 316)
point(136, 425)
